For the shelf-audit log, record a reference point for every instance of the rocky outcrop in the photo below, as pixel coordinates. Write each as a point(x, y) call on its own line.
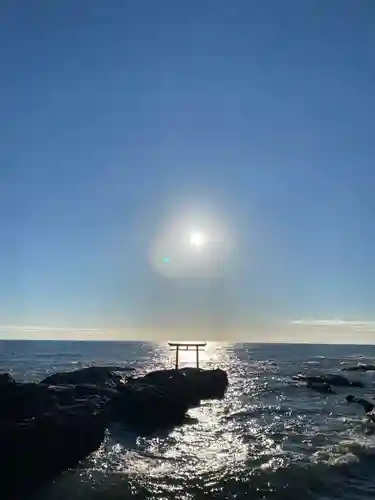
point(193, 383)
point(331, 379)
point(162, 398)
point(146, 408)
point(158, 399)
point(48, 427)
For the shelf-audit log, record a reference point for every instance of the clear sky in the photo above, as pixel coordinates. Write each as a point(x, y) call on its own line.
point(123, 121)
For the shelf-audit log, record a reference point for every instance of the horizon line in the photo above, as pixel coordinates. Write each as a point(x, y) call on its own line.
point(274, 342)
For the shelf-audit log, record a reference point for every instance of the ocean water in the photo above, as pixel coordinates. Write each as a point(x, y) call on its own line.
point(270, 438)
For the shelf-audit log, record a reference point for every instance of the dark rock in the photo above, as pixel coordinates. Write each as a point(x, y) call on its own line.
point(48, 427)
point(210, 384)
point(171, 383)
point(193, 383)
point(20, 401)
point(330, 379)
point(146, 408)
point(5, 379)
point(35, 450)
point(342, 381)
point(44, 430)
point(101, 376)
point(366, 405)
point(359, 368)
point(162, 398)
point(322, 387)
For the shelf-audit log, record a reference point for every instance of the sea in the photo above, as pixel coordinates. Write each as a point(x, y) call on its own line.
point(270, 438)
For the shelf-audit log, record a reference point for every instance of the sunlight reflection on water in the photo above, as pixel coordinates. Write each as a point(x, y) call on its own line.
point(213, 355)
point(269, 437)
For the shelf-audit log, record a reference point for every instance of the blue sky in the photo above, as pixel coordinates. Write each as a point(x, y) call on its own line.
point(125, 120)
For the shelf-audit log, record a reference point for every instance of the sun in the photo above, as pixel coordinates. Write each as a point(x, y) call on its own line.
point(197, 239)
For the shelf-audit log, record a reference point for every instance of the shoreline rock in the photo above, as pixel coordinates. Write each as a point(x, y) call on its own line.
point(49, 427)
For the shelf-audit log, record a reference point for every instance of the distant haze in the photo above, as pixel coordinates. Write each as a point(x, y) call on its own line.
point(300, 331)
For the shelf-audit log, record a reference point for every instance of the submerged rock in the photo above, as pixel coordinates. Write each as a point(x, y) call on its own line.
point(360, 367)
point(366, 405)
point(330, 379)
point(322, 387)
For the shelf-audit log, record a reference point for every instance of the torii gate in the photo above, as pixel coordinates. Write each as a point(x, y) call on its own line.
point(176, 346)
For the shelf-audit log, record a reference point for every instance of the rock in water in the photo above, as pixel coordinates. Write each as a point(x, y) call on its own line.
point(162, 398)
point(342, 381)
point(194, 383)
point(48, 427)
point(146, 408)
point(359, 368)
point(210, 384)
point(330, 379)
point(321, 387)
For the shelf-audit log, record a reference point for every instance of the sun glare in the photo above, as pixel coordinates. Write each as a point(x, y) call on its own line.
point(197, 239)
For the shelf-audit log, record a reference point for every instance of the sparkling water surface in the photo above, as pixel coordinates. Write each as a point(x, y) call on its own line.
point(270, 438)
